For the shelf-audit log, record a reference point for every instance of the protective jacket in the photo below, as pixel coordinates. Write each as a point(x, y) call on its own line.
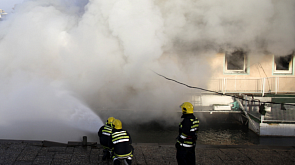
point(188, 129)
point(104, 134)
point(121, 141)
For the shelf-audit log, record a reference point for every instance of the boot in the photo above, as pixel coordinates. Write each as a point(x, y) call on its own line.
point(105, 154)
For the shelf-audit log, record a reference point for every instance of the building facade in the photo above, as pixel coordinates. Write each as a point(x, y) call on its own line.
point(238, 72)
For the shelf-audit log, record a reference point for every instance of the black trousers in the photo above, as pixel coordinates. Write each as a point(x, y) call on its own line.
point(128, 161)
point(117, 162)
point(185, 155)
point(106, 154)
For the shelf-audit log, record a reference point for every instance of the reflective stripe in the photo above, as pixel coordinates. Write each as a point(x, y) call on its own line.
point(187, 142)
point(186, 145)
point(104, 133)
point(120, 140)
point(121, 134)
point(194, 129)
point(115, 134)
point(120, 137)
point(108, 127)
point(124, 156)
point(196, 121)
point(107, 130)
point(183, 137)
point(197, 125)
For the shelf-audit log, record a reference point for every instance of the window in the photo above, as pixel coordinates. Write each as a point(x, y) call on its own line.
point(236, 62)
point(283, 64)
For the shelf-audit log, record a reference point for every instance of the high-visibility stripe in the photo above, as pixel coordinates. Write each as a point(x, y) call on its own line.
point(187, 142)
point(197, 125)
point(185, 145)
point(121, 140)
point(121, 137)
point(107, 127)
point(104, 133)
point(183, 137)
point(109, 131)
point(196, 122)
point(125, 155)
point(120, 134)
point(194, 129)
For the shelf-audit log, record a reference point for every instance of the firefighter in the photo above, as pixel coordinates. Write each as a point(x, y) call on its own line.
point(186, 140)
point(121, 141)
point(104, 134)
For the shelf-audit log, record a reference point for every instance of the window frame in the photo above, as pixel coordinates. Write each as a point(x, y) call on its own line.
point(290, 71)
point(244, 71)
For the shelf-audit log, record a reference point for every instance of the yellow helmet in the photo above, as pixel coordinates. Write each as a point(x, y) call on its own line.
point(187, 108)
point(111, 120)
point(117, 124)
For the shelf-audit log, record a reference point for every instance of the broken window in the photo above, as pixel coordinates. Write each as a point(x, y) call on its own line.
point(236, 62)
point(283, 64)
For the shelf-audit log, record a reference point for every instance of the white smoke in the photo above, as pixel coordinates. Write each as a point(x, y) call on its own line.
point(34, 108)
point(104, 52)
point(255, 25)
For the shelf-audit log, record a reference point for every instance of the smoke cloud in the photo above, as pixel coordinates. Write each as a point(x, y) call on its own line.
point(70, 60)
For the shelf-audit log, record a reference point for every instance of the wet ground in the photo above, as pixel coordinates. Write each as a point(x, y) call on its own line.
point(43, 152)
point(219, 129)
point(221, 140)
point(214, 129)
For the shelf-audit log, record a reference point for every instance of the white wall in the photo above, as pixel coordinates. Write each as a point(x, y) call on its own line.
point(208, 100)
point(277, 129)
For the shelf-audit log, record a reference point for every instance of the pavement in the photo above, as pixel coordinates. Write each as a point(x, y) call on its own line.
point(20, 152)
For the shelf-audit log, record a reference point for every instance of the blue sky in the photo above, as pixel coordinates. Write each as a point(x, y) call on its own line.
point(7, 5)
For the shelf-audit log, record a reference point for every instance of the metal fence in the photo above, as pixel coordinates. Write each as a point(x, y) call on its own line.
point(274, 113)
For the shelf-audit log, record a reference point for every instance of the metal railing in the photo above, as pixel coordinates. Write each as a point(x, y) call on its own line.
point(253, 85)
point(273, 113)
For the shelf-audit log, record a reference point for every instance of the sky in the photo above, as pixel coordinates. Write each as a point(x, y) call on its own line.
point(70, 61)
point(7, 5)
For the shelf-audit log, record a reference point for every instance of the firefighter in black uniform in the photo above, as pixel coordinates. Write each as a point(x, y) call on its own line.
point(104, 134)
point(121, 141)
point(186, 140)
